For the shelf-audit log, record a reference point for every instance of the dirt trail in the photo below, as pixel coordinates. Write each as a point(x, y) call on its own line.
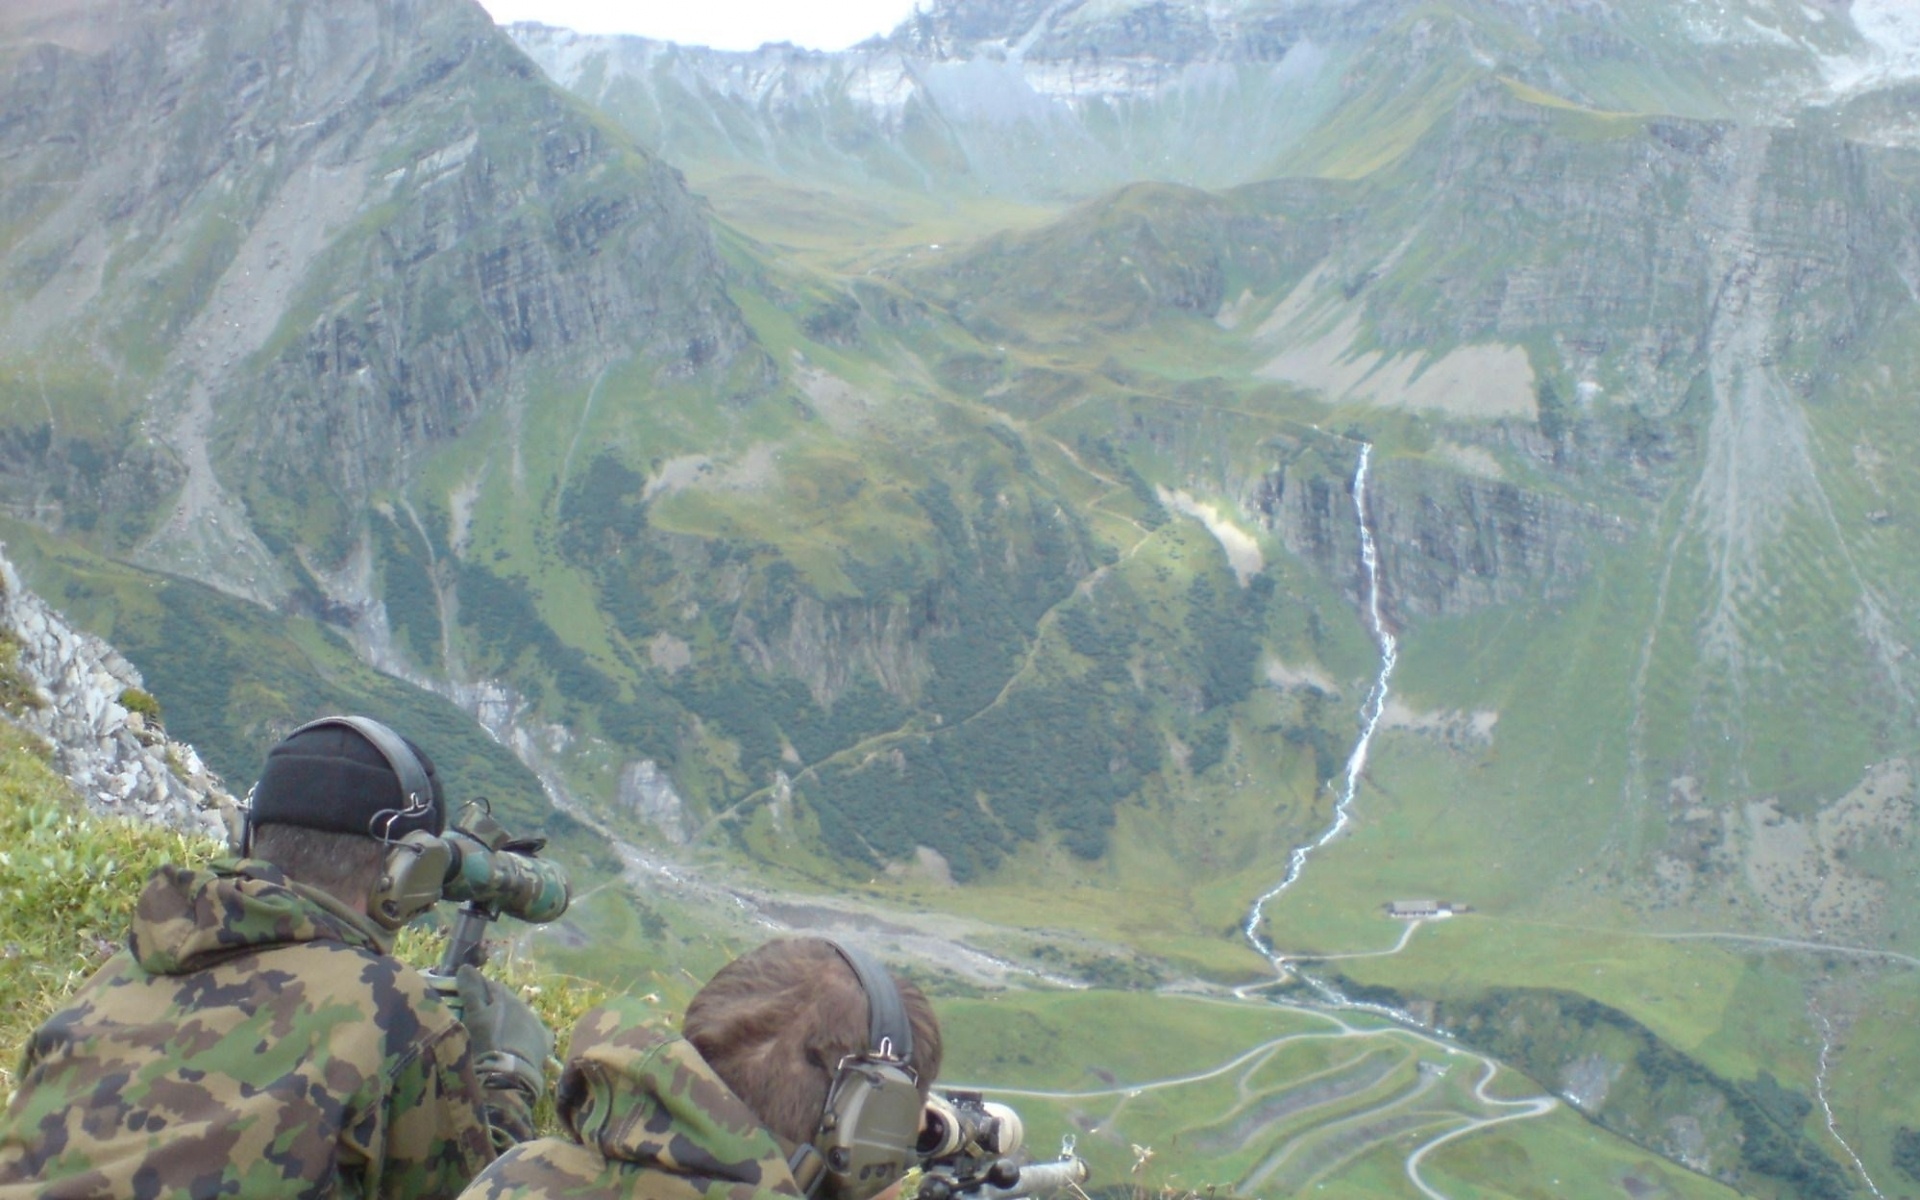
point(1752, 939)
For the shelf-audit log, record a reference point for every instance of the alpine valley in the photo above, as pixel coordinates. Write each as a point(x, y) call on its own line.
point(1339, 577)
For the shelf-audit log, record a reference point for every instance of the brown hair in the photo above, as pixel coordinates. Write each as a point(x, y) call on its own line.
point(347, 866)
point(775, 1023)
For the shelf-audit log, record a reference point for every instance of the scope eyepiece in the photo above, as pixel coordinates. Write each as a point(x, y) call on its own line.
point(966, 1124)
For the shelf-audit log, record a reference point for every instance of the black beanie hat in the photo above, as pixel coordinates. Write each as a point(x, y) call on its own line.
point(329, 775)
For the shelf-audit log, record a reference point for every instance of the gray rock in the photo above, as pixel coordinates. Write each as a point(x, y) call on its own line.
point(120, 763)
point(648, 792)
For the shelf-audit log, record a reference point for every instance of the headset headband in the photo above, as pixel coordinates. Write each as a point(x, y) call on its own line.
point(889, 1033)
point(415, 788)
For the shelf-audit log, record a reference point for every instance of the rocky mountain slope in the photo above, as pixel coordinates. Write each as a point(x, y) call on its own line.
point(402, 340)
point(87, 704)
point(264, 257)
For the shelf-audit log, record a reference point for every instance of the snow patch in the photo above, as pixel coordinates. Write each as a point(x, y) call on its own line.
point(1891, 31)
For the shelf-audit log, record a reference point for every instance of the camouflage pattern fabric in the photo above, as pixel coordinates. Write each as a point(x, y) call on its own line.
point(254, 1040)
point(646, 1119)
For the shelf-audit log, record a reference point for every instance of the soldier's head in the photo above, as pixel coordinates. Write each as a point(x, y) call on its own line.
point(331, 797)
point(775, 1025)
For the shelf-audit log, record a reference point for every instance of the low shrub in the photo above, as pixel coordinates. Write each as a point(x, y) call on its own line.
point(135, 700)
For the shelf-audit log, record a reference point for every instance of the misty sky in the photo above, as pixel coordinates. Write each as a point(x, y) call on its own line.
point(725, 24)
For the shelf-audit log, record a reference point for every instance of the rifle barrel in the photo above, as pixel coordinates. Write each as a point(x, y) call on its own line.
point(1039, 1178)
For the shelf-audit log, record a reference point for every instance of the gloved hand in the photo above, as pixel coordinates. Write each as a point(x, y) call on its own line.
point(508, 1038)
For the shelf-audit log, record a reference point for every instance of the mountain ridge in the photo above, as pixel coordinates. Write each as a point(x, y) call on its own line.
point(964, 94)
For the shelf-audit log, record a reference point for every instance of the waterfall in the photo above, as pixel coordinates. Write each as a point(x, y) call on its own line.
point(1820, 1090)
point(1375, 704)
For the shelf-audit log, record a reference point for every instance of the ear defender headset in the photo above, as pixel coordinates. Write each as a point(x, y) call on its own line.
point(417, 859)
point(867, 1132)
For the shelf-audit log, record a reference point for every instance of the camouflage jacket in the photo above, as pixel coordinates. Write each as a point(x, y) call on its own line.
point(253, 1040)
point(646, 1119)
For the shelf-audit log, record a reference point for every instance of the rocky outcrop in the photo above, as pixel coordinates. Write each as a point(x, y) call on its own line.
point(119, 761)
point(647, 792)
point(828, 645)
point(1451, 543)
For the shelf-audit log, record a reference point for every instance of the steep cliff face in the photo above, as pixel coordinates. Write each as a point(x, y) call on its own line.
point(1664, 213)
point(1452, 541)
point(523, 236)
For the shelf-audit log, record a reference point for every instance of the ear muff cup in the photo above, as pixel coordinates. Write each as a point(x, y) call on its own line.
point(872, 1118)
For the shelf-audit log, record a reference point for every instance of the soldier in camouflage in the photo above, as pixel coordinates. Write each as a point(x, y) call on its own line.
point(718, 1113)
point(256, 1038)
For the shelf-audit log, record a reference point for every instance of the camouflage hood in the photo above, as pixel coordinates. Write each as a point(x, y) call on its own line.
point(188, 920)
point(649, 1099)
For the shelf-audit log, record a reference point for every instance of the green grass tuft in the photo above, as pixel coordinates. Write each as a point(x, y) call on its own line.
point(68, 882)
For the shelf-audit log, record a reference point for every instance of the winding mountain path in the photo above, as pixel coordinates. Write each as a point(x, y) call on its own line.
point(1249, 1061)
point(1526, 1109)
